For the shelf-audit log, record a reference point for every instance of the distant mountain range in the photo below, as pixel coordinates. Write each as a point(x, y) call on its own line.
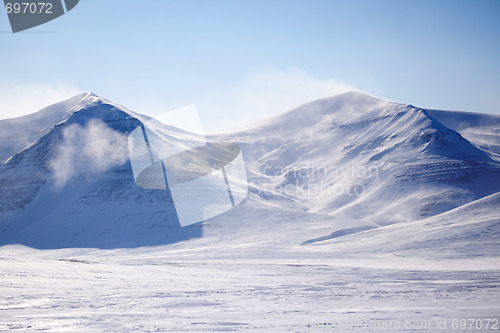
point(347, 166)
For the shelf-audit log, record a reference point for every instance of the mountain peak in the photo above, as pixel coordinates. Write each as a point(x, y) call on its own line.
point(90, 94)
point(91, 106)
point(86, 99)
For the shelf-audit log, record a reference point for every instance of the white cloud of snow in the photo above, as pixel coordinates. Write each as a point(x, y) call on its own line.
point(88, 149)
point(264, 92)
point(21, 99)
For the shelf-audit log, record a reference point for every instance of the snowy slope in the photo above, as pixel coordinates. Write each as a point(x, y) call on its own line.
point(454, 234)
point(482, 130)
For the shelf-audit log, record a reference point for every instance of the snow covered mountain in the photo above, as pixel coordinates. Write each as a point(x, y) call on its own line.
point(74, 184)
point(349, 164)
point(371, 159)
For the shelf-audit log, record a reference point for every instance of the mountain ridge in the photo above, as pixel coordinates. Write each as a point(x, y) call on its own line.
point(420, 168)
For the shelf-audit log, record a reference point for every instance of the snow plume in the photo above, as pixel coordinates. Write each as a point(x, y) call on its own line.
point(85, 150)
point(21, 99)
point(262, 93)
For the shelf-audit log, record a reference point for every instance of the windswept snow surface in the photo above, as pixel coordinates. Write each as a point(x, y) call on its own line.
point(363, 215)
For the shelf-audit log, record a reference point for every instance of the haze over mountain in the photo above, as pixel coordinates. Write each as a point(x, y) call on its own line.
point(343, 164)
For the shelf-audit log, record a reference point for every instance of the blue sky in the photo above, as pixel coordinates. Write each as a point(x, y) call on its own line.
point(240, 61)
